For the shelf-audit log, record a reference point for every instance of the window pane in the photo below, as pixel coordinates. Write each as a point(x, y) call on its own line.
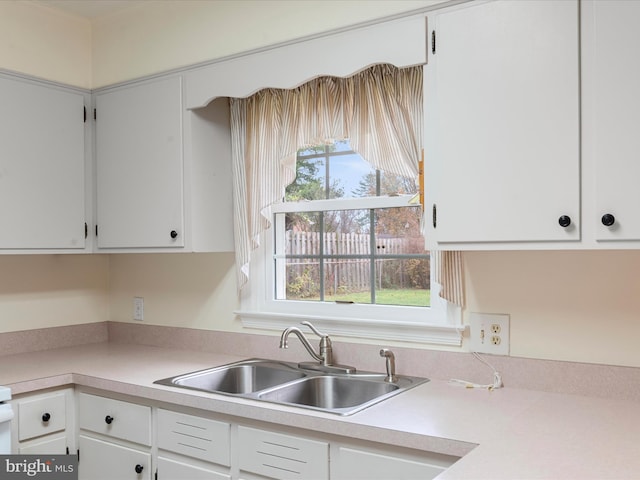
point(303, 279)
point(347, 280)
point(403, 282)
point(352, 175)
point(398, 231)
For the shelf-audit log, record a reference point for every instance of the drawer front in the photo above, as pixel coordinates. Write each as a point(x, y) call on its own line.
point(42, 415)
point(115, 418)
point(194, 436)
point(282, 456)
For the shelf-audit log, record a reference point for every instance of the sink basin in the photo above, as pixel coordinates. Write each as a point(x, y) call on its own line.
point(329, 392)
point(242, 378)
point(288, 384)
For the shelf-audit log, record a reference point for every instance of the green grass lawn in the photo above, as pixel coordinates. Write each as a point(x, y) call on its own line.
point(410, 297)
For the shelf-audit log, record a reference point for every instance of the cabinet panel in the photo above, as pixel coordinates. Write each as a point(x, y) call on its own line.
point(42, 196)
point(276, 455)
point(502, 123)
point(169, 469)
point(194, 436)
point(614, 100)
point(50, 445)
point(115, 418)
point(139, 166)
point(42, 415)
point(101, 460)
point(355, 464)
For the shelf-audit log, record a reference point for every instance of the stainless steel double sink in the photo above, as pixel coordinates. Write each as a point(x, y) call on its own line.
point(288, 384)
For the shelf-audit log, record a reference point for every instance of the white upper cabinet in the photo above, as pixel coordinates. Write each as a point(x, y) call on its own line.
point(502, 150)
point(611, 99)
point(163, 174)
point(42, 167)
point(139, 166)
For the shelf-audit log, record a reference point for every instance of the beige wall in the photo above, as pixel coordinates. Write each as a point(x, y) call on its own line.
point(45, 43)
point(38, 291)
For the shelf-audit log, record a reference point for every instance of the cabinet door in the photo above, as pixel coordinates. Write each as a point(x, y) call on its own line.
point(139, 166)
point(613, 72)
point(353, 464)
point(42, 199)
point(48, 445)
point(101, 460)
point(502, 122)
point(169, 469)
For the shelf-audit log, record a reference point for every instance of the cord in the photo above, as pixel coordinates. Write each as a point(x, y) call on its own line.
point(497, 378)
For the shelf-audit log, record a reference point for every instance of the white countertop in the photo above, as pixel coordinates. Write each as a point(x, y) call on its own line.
point(502, 434)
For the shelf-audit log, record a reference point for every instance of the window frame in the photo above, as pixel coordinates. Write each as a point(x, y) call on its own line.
point(440, 324)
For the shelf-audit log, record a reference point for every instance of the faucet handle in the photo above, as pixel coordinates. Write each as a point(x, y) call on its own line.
point(314, 329)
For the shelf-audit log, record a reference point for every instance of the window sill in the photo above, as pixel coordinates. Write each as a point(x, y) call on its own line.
point(415, 332)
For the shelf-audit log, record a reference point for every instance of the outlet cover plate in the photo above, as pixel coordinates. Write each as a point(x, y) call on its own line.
point(489, 333)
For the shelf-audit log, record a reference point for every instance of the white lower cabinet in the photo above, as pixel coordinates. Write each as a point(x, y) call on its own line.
point(43, 422)
point(375, 463)
point(192, 447)
point(115, 439)
point(105, 460)
point(120, 440)
point(184, 469)
point(283, 456)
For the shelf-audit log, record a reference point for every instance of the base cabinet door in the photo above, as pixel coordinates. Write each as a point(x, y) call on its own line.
point(172, 469)
point(360, 464)
point(100, 460)
point(282, 456)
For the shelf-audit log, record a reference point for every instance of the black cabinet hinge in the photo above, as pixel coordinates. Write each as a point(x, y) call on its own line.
point(433, 41)
point(85, 114)
point(86, 230)
point(156, 474)
point(434, 214)
point(67, 450)
point(95, 114)
point(96, 229)
point(78, 455)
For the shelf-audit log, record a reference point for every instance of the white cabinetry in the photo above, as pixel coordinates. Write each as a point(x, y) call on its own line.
point(163, 174)
point(42, 166)
point(44, 423)
point(115, 439)
point(502, 118)
point(376, 463)
point(611, 104)
point(283, 456)
point(181, 438)
point(139, 166)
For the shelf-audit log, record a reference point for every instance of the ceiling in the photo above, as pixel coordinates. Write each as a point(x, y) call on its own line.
point(90, 8)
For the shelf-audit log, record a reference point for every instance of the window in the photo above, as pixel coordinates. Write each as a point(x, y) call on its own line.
point(342, 248)
point(345, 251)
point(349, 234)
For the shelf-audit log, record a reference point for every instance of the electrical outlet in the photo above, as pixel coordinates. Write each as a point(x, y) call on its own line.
point(138, 308)
point(489, 333)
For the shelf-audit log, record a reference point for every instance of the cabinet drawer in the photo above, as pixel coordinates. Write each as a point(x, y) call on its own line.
point(194, 436)
point(282, 456)
point(42, 415)
point(49, 445)
point(115, 418)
